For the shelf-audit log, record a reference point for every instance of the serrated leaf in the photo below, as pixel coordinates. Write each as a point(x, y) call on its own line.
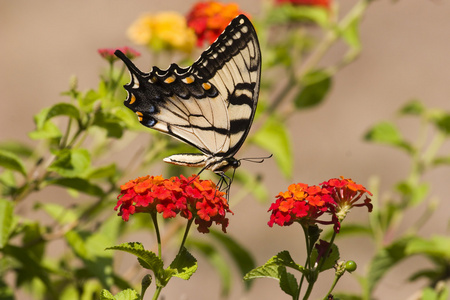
point(78, 184)
point(127, 294)
point(288, 283)
point(217, 261)
point(315, 87)
point(6, 221)
point(266, 271)
point(71, 162)
point(63, 109)
point(387, 133)
point(284, 258)
point(183, 266)
point(10, 161)
point(147, 259)
point(273, 136)
point(413, 107)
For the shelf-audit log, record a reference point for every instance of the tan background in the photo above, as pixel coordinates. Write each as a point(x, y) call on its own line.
point(405, 55)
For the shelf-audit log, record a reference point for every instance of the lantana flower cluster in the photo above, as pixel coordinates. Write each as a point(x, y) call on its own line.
point(187, 197)
point(209, 19)
point(163, 31)
point(305, 204)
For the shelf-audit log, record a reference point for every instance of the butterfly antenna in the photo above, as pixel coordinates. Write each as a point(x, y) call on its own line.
point(257, 160)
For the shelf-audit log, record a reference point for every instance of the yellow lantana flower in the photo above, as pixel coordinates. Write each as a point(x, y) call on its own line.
point(163, 31)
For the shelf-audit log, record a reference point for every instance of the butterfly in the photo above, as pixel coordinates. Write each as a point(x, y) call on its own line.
point(209, 105)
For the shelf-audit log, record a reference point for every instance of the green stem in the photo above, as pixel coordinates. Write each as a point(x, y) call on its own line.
point(157, 292)
point(186, 232)
point(307, 261)
point(335, 281)
point(158, 235)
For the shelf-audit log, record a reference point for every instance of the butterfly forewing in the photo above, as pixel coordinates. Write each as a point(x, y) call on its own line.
point(209, 105)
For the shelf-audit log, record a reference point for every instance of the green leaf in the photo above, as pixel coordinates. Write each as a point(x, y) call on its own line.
point(63, 109)
point(145, 283)
point(6, 292)
point(287, 13)
point(350, 34)
point(283, 258)
point(6, 221)
point(183, 266)
point(127, 294)
point(266, 271)
point(10, 161)
point(413, 107)
point(288, 282)
point(78, 184)
point(71, 162)
point(16, 147)
point(273, 136)
point(87, 101)
point(383, 261)
point(59, 213)
point(108, 171)
point(147, 259)
point(217, 260)
point(315, 87)
point(415, 193)
point(30, 267)
point(48, 130)
point(330, 261)
point(110, 122)
point(437, 246)
point(241, 256)
point(442, 121)
point(387, 133)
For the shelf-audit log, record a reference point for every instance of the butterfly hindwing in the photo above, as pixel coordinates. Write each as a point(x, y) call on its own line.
point(209, 105)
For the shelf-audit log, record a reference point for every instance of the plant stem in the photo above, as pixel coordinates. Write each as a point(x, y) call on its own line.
point(158, 235)
point(157, 292)
point(186, 232)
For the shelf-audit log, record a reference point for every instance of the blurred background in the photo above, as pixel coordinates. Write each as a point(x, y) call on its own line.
point(405, 55)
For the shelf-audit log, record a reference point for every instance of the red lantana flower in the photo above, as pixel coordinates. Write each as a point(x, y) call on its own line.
point(209, 19)
point(189, 197)
point(346, 193)
point(108, 53)
point(323, 3)
point(305, 204)
point(301, 203)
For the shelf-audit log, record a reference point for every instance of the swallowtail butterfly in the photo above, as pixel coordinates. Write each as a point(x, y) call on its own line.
point(209, 105)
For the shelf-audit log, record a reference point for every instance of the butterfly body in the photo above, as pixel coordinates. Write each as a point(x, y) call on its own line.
point(209, 105)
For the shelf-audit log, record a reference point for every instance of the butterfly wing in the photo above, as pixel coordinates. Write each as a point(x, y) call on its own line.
point(209, 105)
